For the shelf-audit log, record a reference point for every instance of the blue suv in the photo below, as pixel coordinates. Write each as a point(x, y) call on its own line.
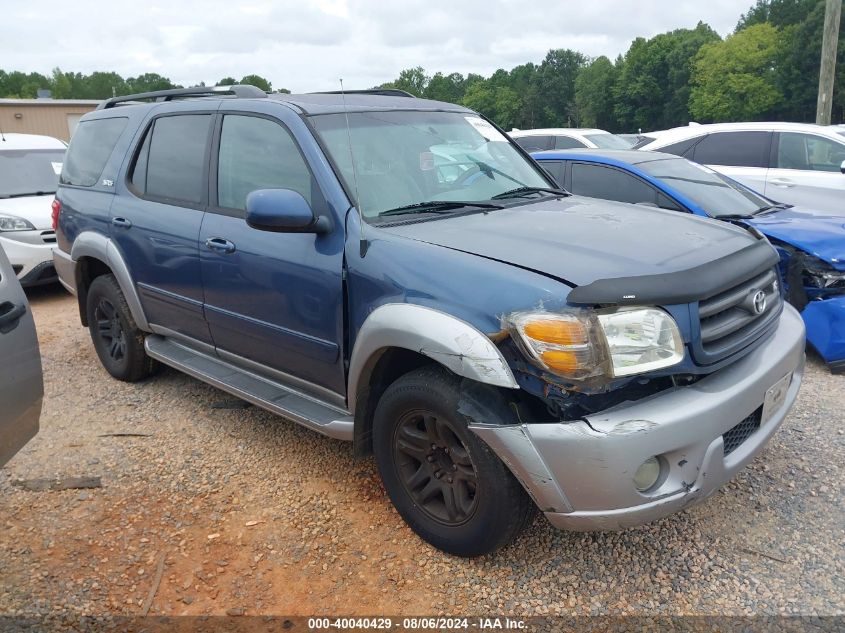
point(396, 272)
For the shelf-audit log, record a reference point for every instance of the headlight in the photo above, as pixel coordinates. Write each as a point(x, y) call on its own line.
point(13, 223)
point(582, 344)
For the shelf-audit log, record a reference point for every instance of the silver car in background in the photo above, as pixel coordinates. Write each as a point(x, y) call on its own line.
point(21, 382)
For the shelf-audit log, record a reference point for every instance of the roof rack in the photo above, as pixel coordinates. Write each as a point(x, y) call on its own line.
point(384, 92)
point(241, 91)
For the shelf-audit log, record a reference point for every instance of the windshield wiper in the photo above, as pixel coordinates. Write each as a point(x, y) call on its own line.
point(24, 195)
point(439, 206)
point(521, 192)
point(734, 216)
point(772, 207)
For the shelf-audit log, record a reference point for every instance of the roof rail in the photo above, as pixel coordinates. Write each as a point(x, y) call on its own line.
point(241, 91)
point(384, 92)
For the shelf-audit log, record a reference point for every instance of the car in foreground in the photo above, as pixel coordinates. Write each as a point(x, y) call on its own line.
point(795, 163)
point(566, 138)
point(21, 382)
point(29, 173)
point(497, 343)
point(811, 244)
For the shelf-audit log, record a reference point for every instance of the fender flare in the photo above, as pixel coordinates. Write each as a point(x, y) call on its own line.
point(453, 343)
point(98, 246)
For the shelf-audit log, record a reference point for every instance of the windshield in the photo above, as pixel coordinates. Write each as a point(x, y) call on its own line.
point(28, 172)
point(608, 141)
point(711, 191)
point(406, 158)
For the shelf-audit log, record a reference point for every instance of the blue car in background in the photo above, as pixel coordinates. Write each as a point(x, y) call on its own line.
point(811, 243)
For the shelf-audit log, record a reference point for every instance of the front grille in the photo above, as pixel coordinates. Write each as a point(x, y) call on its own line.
point(731, 317)
point(49, 237)
point(734, 438)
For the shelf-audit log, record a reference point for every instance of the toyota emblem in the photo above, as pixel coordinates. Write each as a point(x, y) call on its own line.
point(759, 302)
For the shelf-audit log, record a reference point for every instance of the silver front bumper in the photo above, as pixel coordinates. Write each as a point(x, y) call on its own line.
point(580, 473)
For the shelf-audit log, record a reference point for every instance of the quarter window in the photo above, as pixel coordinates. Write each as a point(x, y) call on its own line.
point(256, 153)
point(90, 148)
point(598, 181)
point(535, 143)
point(567, 142)
point(736, 149)
point(809, 152)
point(171, 162)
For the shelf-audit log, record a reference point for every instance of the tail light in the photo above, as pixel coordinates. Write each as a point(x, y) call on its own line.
point(57, 208)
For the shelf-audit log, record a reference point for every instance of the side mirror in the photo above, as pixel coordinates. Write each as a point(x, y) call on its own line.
point(842, 167)
point(283, 211)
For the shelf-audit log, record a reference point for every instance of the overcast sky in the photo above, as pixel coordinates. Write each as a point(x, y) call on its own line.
point(306, 45)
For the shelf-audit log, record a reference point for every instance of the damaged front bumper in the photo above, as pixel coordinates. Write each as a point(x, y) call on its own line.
point(580, 473)
point(825, 322)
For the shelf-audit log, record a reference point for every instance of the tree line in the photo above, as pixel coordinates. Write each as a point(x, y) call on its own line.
point(767, 69)
point(101, 85)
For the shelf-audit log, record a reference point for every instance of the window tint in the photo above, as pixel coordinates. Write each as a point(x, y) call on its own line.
point(534, 143)
point(740, 149)
point(681, 148)
point(608, 183)
point(171, 163)
point(567, 142)
point(90, 148)
point(805, 151)
point(257, 153)
point(555, 168)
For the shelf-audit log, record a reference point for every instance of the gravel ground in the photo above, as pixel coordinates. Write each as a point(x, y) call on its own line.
point(213, 508)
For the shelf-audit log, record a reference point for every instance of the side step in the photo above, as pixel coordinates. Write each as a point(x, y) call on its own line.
point(285, 401)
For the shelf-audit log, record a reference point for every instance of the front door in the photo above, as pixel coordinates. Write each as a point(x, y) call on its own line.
point(21, 386)
point(156, 223)
point(807, 172)
point(273, 301)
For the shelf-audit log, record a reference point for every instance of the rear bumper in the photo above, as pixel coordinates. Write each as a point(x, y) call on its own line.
point(65, 269)
point(580, 473)
point(825, 322)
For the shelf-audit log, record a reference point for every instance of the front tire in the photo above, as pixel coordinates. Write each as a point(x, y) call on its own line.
point(446, 483)
point(117, 340)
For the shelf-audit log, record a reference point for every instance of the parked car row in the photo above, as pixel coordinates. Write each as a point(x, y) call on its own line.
point(398, 273)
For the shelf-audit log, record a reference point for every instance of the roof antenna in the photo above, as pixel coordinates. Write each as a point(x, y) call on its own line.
point(364, 245)
point(2, 138)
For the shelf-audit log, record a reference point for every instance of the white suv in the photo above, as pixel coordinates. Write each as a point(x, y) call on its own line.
point(797, 163)
point(29, 173)
point(567, 138)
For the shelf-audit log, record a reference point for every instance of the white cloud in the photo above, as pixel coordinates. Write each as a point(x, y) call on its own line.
point(308, 45)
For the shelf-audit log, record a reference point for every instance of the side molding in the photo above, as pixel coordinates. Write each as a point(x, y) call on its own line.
point(98, 246)
point(451, 342)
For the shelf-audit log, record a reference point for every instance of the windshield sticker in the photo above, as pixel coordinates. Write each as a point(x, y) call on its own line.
point(57, 167)
point(485, 129)
point(426, 161)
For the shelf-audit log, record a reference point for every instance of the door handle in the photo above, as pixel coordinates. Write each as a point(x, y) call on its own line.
point(782, 182)
point(10, 316)
point(121, 222)
point(220, 245)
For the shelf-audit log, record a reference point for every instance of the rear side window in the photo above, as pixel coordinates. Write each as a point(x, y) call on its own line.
point(556, 169)
point(171, 162)
point(567, 142)
point(735, 149)
point(256, 153)
point(90, 148)
point(608, 183)
point(535, 143)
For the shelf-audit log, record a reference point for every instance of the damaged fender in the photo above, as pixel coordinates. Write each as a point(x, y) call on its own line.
point(825, 323)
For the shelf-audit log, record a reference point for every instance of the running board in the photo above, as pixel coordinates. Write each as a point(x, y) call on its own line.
point(285, 401)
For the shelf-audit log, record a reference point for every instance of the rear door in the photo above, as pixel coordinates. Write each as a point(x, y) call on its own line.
point(21, 386)
point(744, 156)
point(806, 170)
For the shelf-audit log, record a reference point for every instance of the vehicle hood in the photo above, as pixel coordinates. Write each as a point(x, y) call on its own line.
point(581, 240)
point(35, 209)
point(815, 233)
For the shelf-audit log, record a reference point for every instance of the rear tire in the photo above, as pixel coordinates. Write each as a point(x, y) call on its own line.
point(117, 340)
point(447, 484)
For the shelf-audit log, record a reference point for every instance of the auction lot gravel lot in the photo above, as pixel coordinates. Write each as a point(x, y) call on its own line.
point(213, 508)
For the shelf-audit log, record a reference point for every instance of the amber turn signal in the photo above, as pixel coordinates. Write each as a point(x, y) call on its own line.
point(557, 331)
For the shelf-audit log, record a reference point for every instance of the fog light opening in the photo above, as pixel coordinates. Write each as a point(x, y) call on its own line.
point(648, 475)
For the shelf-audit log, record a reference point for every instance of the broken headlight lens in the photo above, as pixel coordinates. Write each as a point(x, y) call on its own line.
point(584, 344)
point(820, 274)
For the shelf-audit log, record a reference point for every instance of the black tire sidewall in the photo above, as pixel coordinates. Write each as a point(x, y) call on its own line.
point(499, 513)
point(126, 368)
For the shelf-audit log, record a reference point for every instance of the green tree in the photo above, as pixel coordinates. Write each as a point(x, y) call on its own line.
point(449, 88)
point(556, 86)
point(258, 81)
point(148, 82)
point(736, 79)
point(778, 13)
point(16, 84)
point(226, 81)
point(413, 80)
point(594, 88)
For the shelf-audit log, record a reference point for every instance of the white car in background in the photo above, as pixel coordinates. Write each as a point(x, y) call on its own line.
point(796, 163)
point(29, 174)
point(567, 138)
